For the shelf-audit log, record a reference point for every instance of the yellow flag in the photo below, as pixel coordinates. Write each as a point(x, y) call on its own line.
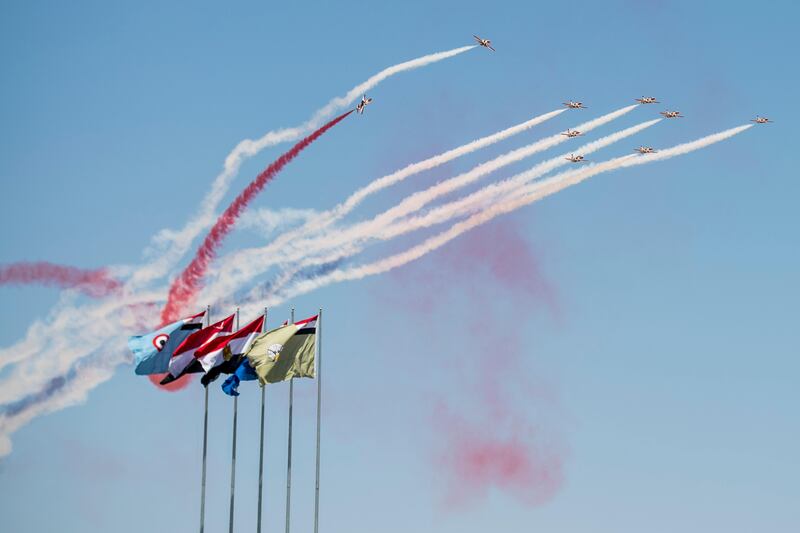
point(284, 353)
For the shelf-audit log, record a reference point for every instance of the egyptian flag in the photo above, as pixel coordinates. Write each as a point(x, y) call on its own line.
point(224, 347)
point(285, 353)
point(183, 355)
point(152, 351)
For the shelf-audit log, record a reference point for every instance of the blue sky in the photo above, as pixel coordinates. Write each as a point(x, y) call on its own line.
point(662, 378)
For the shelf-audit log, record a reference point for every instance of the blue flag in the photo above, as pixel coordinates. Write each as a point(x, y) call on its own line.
point(244, 372)
point(152, 351)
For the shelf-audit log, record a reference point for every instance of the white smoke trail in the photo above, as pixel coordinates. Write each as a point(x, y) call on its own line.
point(418, 200)
point(71, 391)
point(267, 222)
point(235, 268)
point(172, 245)
point(448, 211)
point(526, 196)
point(327, 218)
point(66, 355)
point(242, 267)
point(381, 183)
point(67, 317)
point(490, 193)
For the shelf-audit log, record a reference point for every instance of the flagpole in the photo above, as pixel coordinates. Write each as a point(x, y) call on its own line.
point(261, 444)
point(318, 361)
point(233, 446)
point(205, 446)
point(289, 450)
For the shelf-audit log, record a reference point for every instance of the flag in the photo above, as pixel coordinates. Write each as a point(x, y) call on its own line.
point(243, 372)
point(284, 353)
point(151, 352)
point(183, 355)
point(224, 347)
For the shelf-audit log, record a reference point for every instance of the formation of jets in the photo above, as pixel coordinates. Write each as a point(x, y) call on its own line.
point(486, 43)
point(645, 150)
point(576, 158)
point(572, 133)
point(362, 104)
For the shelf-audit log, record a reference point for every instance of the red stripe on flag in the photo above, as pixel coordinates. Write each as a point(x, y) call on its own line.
point(223, 340)
point(199, 338)
point(306, 321)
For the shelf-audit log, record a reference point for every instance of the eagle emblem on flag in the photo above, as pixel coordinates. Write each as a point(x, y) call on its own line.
point(274, 351)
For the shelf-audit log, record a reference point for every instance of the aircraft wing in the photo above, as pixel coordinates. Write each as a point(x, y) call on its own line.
point(490, 48)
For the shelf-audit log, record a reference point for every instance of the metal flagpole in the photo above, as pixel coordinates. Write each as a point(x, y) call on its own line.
point(205, 447)
point(289, 451)
point(261, 445)
point(233, 446)
point(318, 361)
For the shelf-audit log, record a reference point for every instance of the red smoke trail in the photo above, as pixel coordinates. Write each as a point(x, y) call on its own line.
point(96, 283)
point(185, 287)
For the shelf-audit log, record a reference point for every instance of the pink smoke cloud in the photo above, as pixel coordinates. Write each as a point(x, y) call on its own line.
point(504, 432)
point(506, 455)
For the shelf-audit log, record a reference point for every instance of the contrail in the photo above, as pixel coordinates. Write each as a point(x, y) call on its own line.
point(185, 287)
point(255, 261)
point(96, 283)
point(172, 245)
point(528, 195)
point(453, 209)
